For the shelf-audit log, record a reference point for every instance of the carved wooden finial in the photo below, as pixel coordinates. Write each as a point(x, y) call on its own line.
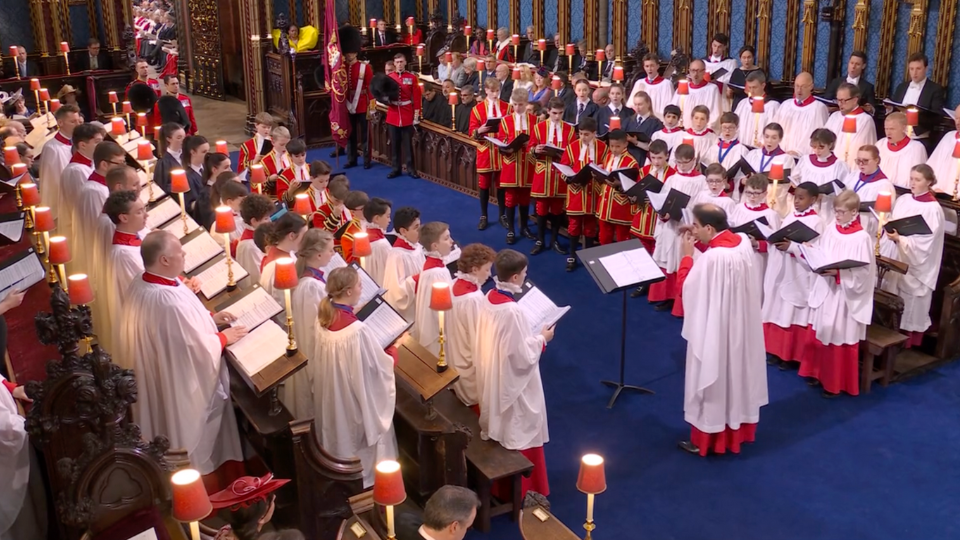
point(66, 326)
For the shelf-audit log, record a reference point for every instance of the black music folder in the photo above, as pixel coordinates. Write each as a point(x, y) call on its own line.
point(385, 322)
point(610, 176)
point(758, 228)
point(581, 178)
point(796, 231)
point(672, 202)
point(908, 226)
point(267, 147)
point(550, 151)
point(833, 187)
point(517, 143)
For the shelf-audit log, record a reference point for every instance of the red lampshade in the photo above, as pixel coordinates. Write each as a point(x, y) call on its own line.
point(601, 55)
point(515, 39)
point(127, 108)
point(420, 50)
point(913, 116)
point(25, 178)
point(440, 299)
point(144, 150)
point(556, 83)
point(490, 33)
point(13, 50)
point(54, 105)
point(64, 47)
point(59, 251)
point(448, 57)
point(222, 147)
point(10, 155)
point(257, 174)
point(956, 149)
point(516, 74)
point(481, 65)
point(79, 290)
point(706, 76)
point(373, 23)
point(29, 194)
point(849, 124)
point(591, 478)
point(156, 133)
point(688, 141)
point(883, 203)
point(614, 123)
point(286, 274)
point(113, 97)
point(178, 181)
point(225, 222)
point(34, 85)
point(141, 120)
point(468, 30)
point(43, 219)
point(388, 484)
point(541, 44)
point(776, 171)
point(44, 94)
point(361, 245)
point(618, 73)
point(410, 21)
point(757, 105)
point(118, 126)
point(452, 98)
point(683, 87)
point(190, 500)
point(18, 169)
point(569, 48)
point(301, 204)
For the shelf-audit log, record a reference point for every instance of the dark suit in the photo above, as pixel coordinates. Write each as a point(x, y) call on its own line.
point(463, 117)
point(506, 89)
point(387, 40)
point(103, 62)
point(931, 99)
point(567, 95)
point(551, 58)
point(604, 115)
point(197, 200)
point(648, 127)
point(607, 69)
point(436, 111)
point(161, 174)
point(530, 54)
point(10, 71)
point(472, 80)
point(867, 92)
point(570, 113)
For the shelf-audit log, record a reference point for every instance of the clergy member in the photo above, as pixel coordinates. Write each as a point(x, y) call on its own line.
point(899, 154)
point(659, 89)
point(848, 98)
point(85, 140)
point(122, 265)
point(701, 93)
point(183, 382)
point(800, 116)
point(55, 155)
point(726, 377)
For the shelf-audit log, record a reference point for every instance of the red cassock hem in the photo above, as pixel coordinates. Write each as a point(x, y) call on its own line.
point(835, 366)
point(663, 290)
point(787, 343)
point(728, 439)
point(475, 408)
point(914, 339)
point(537, 481)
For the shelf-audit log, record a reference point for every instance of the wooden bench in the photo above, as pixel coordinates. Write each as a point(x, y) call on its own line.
point(880, 342)
point(487, 463)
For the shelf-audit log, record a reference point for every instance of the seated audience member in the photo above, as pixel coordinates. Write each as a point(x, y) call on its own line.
point(924, 93)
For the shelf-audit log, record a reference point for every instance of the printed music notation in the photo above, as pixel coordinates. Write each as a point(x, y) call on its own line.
point(21, 272)
point(162, 213)
point(259, 348)
point(540, 311)
point(198, 250)
point(254, 308)
point(213, 280)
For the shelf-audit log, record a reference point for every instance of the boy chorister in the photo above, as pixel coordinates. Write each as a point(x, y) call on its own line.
point(255, 210)
point(460, 328)
point(763, 158)
point(507, 354)
point(821, 167)
point(333, 214)
point(517, 166)
point(787, 283)
point(405, 259)
point(841, 302)
point(727, 150)
point(715, 194)
point(753, 206)
point(549, 189)
point(488, 157)
point(579, 204)
point(437, 244)
point(644, 217)
point(703, 137)
point(319, 180)
point(615, 210)
point(263, 123)
point(277, 159)
point(672, 133)
point(377, 214)
point(355, 202)
point(297, 173)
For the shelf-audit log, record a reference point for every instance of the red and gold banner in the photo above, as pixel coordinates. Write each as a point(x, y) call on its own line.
point(336, 78)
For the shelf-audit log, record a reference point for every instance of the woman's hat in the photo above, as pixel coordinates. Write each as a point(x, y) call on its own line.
point(245, 491)
point(66, 89)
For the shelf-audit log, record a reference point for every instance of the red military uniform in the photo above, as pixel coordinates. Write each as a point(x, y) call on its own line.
point(549, 187)
point(359, 75)
point(152, 83)
point(274, 164)
point(249, 151)
point(614, 208)
point(187, 106)
point(579, 202)
point(346, 241)
point(403, 112)
point(644, 217)
point(328, 220)
point(516, 175)
point(488, 158)
point(290, 176)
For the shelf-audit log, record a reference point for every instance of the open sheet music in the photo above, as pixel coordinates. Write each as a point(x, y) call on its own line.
point(386, 324)
point(631, 267)
point(370, 288)
point(11, 226)
point(820, 261)
point(213, 280)
point(163, 212)
point(252, 309)
point(259, 348)
point(175, 227)
point(199, 249)
point(335, 262)
point(540, 311)
point(20, 272)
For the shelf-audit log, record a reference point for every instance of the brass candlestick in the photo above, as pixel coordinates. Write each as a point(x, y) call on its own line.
point(291, 342)
point(881, 218)
point(16, 190)
point(231, 284)
point(442, 360)
point(66, 62)
point(183, 214)
point(28, 218)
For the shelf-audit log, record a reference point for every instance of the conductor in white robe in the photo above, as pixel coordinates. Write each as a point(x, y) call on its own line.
point(177, 352)
point(56, 154)
point(848, 98)
point(726, 378)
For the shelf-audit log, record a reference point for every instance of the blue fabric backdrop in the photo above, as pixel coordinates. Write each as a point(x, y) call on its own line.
point(576, 20)
point(665, 37)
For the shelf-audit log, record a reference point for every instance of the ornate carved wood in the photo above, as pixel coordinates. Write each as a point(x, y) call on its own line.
point(944, 48)
point(861, 20)
point(790, 39)
point(649, 22)
point(207, 55)
point(916, 28)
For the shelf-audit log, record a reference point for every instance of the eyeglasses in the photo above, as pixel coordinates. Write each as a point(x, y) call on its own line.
point(121, 162)
point(750, 193)
point(844, 100)
point(863, 161)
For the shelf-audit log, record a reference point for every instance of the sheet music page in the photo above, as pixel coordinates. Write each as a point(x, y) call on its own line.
point(764, 229)
point(336, 262)
point(815, 257)
point(631, 267)
point(149, 534)
point(657, 199)
point(626, 182)
point(144, 179)
point(253, 309)
point(214, 280)
point(199, 250)
point(12, 230)
point(496, 142)
point(599, 169)
point(21, 275)
point(260, 348)
point(175, 227)
point(385, 323)
point(540, 310)
point(686, 216)
point(162, 213)
point(563, 169)
point(950, 113)
point(370, 288)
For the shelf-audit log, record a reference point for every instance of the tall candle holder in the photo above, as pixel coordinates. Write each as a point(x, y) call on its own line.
point(35, 88)
point(180, 185)
point(225, 224)
point(849, 128)
point(13, 57)
point(65, 49)
point(31, 198)
point(441, 301)
point(81, 295)
point(592, 481)
point(59, 254)
point(882, 206)
point(285, 279)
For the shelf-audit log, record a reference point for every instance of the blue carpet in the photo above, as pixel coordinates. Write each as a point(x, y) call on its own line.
point(880, 466)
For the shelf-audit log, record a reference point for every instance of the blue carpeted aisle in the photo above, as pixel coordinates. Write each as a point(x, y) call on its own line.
point(881, 466)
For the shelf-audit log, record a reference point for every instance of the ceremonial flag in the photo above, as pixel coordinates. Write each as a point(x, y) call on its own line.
point(335, 78)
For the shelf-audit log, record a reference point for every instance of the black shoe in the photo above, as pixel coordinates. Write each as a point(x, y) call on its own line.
point(666, 305)
point(811, 381)
point(640, 291)
point(503, 221)
point(571, 264)
point(784, 365)
point(688, 446)
point(413, 174)
point(772, 360)
point(367, 164)
point(537, 248)
point(828, 395)
point(525, 232)
point(558, 248)
point(350, 165)
point(511, 239)
point(393, 174)
point(482, 226)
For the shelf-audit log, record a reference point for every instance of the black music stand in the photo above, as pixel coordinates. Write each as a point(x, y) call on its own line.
point(591, 261)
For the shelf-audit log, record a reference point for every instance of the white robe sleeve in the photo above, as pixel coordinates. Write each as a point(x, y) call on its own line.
point(14, 460)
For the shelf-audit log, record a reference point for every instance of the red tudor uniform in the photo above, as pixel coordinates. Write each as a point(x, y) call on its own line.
point(249, 151)
point(614, 209)
point(517, 173)
point(401, 116)
point(488, 158)
point(549, 188)
point(289, 176)
point(580, 204)
point(644, 217)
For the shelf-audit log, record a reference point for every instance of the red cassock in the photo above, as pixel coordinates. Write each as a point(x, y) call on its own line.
point(354, 79)
point(580, 198)
point(517, 168)
point(644, 217)
point(272, 164)
point(325, 218)
point(547, 181)
point(287, 177)
point(614, 206)
point(402, 112)
point(248, 152)
point(488, 158)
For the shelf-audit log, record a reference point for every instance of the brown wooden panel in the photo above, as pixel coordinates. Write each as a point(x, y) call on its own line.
point(945, 32)
point(207, 53)
point(888, 29)
point(790, 40)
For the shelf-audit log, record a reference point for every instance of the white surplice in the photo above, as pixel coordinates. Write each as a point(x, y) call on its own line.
point(354, 395)
point(404, 261)
point(896, 161)
point(703, 141)
point(14, 461)
point(947, 169)
point(923, 253)
point(513, 410)
point(123, 265)
point(840, 312)
point(426, 325)
point(706, 94)
point(848, 145)
point(71, 181)
point(376, 263)
point(726, 376)
point(798, 121)
point(460, 329)
point(752, 124)
point(787, 281)
point(297, 394)
point(184, 387)
point(53, 159)
point(761, 162)
point(660, 91)
point(673, 137)
point(812, 168)
point(86, 214)
point(867, 188)
point(666, 252)
point(723, 201)
point(741, 214)
point(249, 257)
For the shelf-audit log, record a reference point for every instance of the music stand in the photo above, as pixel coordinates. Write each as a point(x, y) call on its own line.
point(591, 261)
